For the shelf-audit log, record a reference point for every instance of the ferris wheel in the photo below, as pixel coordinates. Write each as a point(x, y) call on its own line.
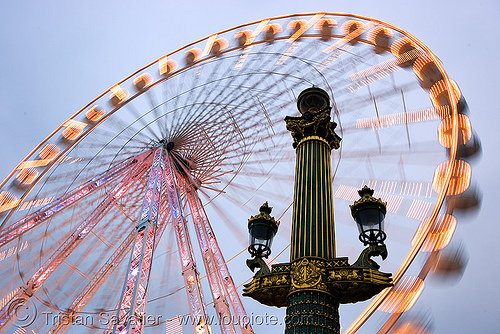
point(131, 216)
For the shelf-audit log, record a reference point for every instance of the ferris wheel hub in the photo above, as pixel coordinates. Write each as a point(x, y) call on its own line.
point(170, 146)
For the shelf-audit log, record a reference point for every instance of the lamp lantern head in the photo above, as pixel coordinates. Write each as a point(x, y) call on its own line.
point(262, 229)
point(369, 214)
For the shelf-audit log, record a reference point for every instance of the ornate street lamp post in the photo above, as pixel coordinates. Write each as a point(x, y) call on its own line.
point(315, 281)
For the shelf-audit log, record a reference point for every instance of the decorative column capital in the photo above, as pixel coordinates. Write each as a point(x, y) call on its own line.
point(314, 124)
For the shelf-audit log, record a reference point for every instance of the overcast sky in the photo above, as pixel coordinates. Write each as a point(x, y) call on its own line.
point(56, 56)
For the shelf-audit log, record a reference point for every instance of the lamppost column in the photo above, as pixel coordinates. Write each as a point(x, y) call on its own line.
point(313, 230)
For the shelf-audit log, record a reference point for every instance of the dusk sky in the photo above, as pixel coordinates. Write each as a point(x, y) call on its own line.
point(56, 56)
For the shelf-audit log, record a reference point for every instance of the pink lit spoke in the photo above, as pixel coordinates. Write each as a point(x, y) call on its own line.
point(209, 260)
point(132, 305)
point(188, 264)
point(70, 198)
point(93, 286)
point(77, 236)
point(222, 283)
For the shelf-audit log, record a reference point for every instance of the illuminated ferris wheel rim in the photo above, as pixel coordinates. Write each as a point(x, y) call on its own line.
point(449, 87)
point(433, 58)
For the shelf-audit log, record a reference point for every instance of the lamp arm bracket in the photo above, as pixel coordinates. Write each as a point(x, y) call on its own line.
point(364, 259)
point(258, 262)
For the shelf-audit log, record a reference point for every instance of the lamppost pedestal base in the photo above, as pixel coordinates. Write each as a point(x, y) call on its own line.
point(312, 312)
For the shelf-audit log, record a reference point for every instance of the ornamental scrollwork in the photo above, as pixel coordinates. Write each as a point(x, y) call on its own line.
point(306, 273)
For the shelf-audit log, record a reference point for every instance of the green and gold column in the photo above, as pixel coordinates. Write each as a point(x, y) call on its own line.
point(313, 232)
point(310, 307)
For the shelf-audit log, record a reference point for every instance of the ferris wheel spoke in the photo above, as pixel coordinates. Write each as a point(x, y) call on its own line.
point(215, 174)
point(222, 84)
point(69, 179)
point(144, 124)
point(135, 145)
point(127, 136)
point(272, 150)
point(186, 121)
point(176, 130)
point(216, 266)
point(188, 263)
point(348, 105)
point(188, 134)
point(62, 180)
point(97, 160)
point(424, 148)
point(132, 304)
point(213, 114)
point(216, 83)
point(68, 199)
point(181, 99)
point(166, 106)
point(41, 275)
point(226, 220)
point(100, 277)
point(94, 284)
point(115, 129)
point(201, 96)
point(225, 99)
point(117, 125)
point(259, 175)
point(262, 161)
point(196, 78)
point(169, 105)
point(156, 109)
point(211, 266)
point(246, 189)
